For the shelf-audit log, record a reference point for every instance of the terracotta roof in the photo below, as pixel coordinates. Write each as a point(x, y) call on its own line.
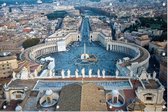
point(136, 105)
point(70, 98)
point(82, 97)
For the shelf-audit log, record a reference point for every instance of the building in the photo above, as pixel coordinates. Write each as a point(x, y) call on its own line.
point(98, 25)
point(139, 38)
point(163, 67)
point(7, 64)
point(157, 47)
point(151, 94)
point(142, 40)
point(145, 93)
point(13, 45)
point(70, 29)
point(151, 32)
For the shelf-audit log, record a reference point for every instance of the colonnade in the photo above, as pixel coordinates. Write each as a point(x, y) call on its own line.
point(126, 49)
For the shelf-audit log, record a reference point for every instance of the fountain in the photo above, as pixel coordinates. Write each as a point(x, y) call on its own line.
point(84, 56)
point(115, 99)
point(49, 98)
point(87, 57)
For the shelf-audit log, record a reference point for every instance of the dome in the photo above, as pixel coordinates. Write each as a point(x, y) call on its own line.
point(115, 92)
point(18, 108)
point(49, 92)
point(49, 98)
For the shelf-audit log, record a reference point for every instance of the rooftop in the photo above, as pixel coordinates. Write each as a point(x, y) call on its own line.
point(7, 58)
point(87, 97)
point(77, 96)
point(150, 84)
point(22, 83)
point(143, 38)
point(160, 44)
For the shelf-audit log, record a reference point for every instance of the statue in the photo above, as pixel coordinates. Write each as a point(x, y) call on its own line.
point(119, 61)
point(5, 86)
point(98, 73)
point(83, 72)
point(24, 74)
point(14, 75)
point(143, 74)
point(50, 73)
point(76, 73)
point(117, 73)
point(154, 74)
point(90, 72)
point(103, 72)
point(69, 73)
point(149, 76)
point(17, 76)
point(63, 73)
point(35, 73)
point(31, 76)
point(131, 73)
point(53, 74)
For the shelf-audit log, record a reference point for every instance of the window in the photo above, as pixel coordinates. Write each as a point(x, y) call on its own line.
point(18, 96)
point(148, 98)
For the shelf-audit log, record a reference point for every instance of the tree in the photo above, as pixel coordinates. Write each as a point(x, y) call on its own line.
point(30, 42)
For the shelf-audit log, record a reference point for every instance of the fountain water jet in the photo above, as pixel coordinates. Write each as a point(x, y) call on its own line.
point(84, 56)
point(87, 57)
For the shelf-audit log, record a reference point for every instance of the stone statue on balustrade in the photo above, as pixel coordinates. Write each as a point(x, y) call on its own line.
point(149, 76)
point(68, 73)
point(50, 73)
point(63, 73)
point(83, 72)
point(131, 73)
point(35, 73)
point(90, 72)
point(116, 73)
point(98, 73)
point(103, 72)
point(154, 74)
point(14, 75)
point(120, 61)
point(76, 73)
